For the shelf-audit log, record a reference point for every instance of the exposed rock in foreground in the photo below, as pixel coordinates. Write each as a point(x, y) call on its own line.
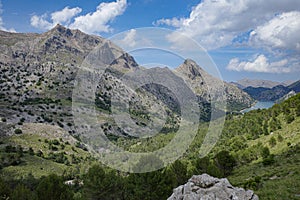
point(209, 188)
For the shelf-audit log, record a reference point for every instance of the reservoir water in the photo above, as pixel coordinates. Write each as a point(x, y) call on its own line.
point(259, 105)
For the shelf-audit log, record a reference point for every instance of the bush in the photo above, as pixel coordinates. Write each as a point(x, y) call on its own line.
point(18, 131)
point(253, 183)
point(225, 162)
point(55, 142)
point(31, 151)
point(280, 138)
point(272, 142)
point(39, 153)
point(265, 153)
point(269, 160)
point(290, 118)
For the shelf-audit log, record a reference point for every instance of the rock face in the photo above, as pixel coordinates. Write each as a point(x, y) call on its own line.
point(209, 88)
point(205, 187)
point(37, 73)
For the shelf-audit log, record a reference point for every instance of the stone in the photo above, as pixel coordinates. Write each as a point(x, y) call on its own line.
point(206, 187)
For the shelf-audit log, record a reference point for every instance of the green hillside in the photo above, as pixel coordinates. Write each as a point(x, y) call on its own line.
point(41, 149)
point(259, 150)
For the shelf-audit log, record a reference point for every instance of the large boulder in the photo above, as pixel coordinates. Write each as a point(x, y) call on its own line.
point(206, 187)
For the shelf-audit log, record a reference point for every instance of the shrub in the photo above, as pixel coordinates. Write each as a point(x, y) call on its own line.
point(290, 118)
point(55, 142)
point(225, 162)
point(272, 142)
point(253, 183)
point(265, 153)
point(39, 153)
point(30, 151)
point(18, 131)
point(279, 138)
point(269, 160)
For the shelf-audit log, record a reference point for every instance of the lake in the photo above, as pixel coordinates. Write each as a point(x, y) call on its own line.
point(259, 105)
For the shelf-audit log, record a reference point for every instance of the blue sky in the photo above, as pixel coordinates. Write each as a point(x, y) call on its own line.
point(245, 38)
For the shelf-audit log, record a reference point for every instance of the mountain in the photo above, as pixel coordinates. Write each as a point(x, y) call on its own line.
point(38, 73)
point(274, 93)
point(295, 86)
point(267, 94)
point(244, 83)
point(210, 88)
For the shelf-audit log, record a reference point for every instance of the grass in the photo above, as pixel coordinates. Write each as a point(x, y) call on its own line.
point(36, 166)
point(39, 137)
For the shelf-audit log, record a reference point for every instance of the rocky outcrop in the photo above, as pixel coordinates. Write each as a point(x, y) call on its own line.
point(209, 188)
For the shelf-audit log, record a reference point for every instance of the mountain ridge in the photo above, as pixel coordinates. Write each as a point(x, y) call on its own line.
point(246, 82)
point(272, 94)
point(38, 73)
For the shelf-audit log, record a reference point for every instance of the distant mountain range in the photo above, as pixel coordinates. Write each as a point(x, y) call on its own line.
point(244, 83)
point(272, 94)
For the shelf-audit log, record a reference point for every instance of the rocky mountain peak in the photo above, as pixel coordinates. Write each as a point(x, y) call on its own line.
point(190, 68)
point(210, 88)
point(61, 30)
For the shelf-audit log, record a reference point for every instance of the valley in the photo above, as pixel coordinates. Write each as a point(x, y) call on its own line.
point(44, 143)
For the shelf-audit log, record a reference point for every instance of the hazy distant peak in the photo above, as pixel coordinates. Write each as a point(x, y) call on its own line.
point(245, 82)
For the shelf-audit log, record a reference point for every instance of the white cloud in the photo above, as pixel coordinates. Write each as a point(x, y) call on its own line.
point(175, 22)
point(274, 27)
point(65, 15)
point(260, 64)
point(130, 38)
point(282, 32)
point(59, 17)
point(98, 21)
point(41, 22)
point(94, 22)
point(215, 23)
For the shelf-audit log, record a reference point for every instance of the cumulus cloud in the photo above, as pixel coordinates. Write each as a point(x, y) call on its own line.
point(272, 26)
point(94, 22)
point(215, 23)
point(260, 64)
point(65, 15)
point(59, 17)
point(41, 22)
point(98, 20)
point(130, 38)
point(282, 32)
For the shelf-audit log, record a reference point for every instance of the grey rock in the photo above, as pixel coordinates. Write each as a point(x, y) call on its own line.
point(206, 187)
point(211, 89)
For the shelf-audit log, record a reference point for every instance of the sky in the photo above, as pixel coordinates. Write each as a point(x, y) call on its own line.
point(256, 39)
